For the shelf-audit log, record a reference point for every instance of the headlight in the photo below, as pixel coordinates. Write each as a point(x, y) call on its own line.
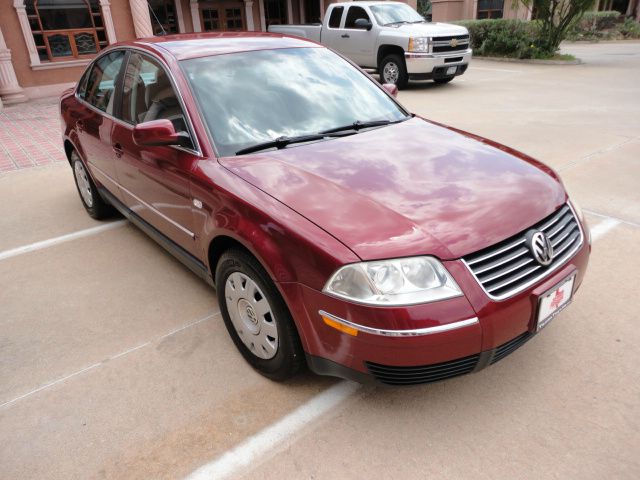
point(419, 44)
point(404, 281)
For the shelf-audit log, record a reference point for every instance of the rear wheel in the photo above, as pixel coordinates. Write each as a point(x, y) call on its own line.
point(93, 203)
point(442, 81)
point(393, 70)
point(257, 317)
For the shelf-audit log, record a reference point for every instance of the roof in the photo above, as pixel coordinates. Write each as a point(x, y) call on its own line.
point(193, 45)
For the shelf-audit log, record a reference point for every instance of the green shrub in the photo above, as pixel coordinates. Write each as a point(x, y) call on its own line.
point(629, 28)
point(503, 38)
point(604, 26)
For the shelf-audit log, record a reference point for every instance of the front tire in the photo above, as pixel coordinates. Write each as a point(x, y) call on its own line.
point(93, 203)
point(393, 70)
point(257, 317)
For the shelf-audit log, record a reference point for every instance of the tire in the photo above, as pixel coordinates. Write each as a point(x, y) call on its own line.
point(93, 203)
point(257, 317)
point(392, 69)
point(442, 81)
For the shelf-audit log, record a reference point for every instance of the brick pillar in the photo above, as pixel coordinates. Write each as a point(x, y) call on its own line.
point(141, 18)
point(248, 8)
point(10, 89)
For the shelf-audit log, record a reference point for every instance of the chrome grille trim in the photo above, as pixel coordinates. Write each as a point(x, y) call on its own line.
point(506, 269)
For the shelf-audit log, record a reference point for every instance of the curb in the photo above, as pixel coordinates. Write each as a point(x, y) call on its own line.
point(577, 61)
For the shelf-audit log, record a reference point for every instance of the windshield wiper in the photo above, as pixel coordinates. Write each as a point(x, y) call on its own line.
point(280, 142)
point(400, 22)
point(358, 125)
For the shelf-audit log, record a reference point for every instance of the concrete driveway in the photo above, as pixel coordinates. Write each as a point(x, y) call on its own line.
point(114, 361)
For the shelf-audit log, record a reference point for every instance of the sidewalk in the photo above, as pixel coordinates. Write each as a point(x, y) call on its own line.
point(30, 135)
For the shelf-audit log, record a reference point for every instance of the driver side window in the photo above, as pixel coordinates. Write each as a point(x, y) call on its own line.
point(148, 94)
point(354, 14)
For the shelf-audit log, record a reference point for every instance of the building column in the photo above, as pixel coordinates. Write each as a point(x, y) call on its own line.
point(26, 32)
point(195, 16)
point(263, 20)
point(322, 10)
point(10, 89)
point(141, 18)
point(108, 21)
point(248, 9)
point(301, 11)
point(290, 11)
point(178, 6)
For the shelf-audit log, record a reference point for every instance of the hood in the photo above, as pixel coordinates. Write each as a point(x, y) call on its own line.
point(431, 29)
point(411, 188)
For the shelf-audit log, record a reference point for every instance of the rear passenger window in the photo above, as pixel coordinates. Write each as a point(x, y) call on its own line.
point(100, 88)
point(336, 15)
point(147, 94)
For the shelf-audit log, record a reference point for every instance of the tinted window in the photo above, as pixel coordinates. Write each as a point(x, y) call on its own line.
point(336, 15)
point(352, 15)
point(82, 84)
point(252, 97)
point(101, 83)
point(147, 94)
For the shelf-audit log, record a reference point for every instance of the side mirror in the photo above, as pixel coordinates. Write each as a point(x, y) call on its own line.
point(363, 23)
point(158, 132)
point(391, 89)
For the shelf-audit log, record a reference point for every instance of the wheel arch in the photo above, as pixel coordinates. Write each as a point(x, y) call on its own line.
point(387, 49)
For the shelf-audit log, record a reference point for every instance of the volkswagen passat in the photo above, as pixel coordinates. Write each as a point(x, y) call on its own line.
point(340, 230)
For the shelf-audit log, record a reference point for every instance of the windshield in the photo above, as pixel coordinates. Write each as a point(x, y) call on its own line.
point(395, 13)
point(254, 97)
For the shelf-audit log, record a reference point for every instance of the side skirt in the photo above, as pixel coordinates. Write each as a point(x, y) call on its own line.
point(191, 262)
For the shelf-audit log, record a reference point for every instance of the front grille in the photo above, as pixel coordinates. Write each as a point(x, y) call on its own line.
point(511, 346)
point(422, 374)
point(443, 44)
point(509, 267)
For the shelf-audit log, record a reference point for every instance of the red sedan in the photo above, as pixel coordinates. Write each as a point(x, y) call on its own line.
point(340, 231)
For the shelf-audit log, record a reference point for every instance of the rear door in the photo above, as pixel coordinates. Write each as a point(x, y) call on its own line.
point(95, 117)
point(155, 181)
point(331, 31)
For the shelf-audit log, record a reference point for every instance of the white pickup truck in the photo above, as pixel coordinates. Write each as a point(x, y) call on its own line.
point(392, 38)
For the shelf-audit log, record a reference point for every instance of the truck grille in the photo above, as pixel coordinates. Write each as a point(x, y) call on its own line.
point(509, 267)
point(455, 43)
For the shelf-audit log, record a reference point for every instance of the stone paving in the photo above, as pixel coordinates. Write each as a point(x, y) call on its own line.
point(30, 135)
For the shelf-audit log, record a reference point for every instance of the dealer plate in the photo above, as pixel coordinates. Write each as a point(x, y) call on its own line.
point(554, 301)
point(452, 70)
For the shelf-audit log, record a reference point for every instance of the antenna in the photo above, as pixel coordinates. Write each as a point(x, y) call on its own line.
point(164, 32)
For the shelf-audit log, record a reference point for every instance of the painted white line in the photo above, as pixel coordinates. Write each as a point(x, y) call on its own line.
point(602, 215)
point(603, 227)
point(14, 252)
point(250, 450)
point(113, 357)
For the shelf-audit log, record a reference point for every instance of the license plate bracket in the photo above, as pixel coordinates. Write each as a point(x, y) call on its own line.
point(553, 301)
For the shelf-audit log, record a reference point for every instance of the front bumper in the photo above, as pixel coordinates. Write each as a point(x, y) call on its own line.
point(449, 343)
point(433, 65)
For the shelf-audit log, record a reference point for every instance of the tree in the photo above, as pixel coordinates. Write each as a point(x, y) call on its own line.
point(555, 17)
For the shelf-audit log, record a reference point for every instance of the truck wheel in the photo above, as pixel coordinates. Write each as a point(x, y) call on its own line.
point(442, 81)
point(393, 70)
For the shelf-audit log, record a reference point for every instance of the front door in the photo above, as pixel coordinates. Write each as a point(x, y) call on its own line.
point(155, 181)
point(222, 16)
point(357, 43)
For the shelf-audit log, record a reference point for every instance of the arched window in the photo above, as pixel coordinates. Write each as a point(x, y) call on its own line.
point(66, 29)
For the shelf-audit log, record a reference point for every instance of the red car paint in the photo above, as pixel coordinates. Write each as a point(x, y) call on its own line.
point(414, 188)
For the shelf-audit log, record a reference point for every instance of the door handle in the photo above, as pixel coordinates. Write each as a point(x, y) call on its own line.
point(345, 35)
point(118, 149)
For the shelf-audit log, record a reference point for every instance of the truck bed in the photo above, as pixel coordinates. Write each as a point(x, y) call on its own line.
point(310, 31)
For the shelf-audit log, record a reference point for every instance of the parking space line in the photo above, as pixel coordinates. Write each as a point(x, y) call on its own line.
point(87, 232)
point(108, 359)
point(254, 447)
point(496, 69)
point(602, 215)
point(603, 227)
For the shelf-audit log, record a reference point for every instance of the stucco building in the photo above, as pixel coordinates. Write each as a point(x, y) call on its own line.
point(45, 44)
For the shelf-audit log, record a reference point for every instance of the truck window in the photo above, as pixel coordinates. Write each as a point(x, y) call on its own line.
point(353, 14)
point(336, 15)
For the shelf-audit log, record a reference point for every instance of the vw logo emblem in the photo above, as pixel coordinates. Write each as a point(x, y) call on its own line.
point(540, 247)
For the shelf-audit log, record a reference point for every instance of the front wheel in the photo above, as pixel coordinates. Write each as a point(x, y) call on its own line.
point(256, 316)
point(393, 70)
